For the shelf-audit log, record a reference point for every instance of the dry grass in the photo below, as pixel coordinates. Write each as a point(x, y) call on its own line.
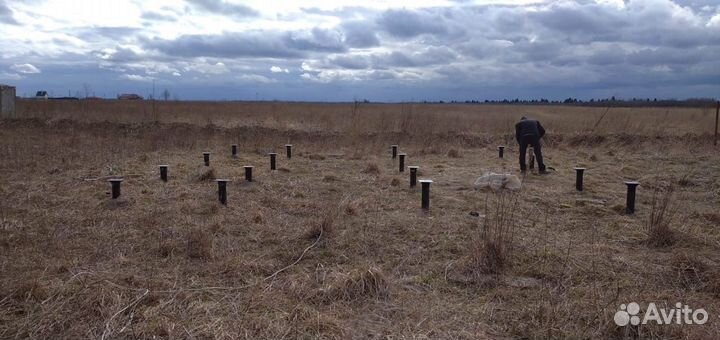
point(453, 153)
point(372, 169)
point(660, 234)
point(367, 283)
point(204, 174)
point(200, 244)
point(492, 250)
point(296, 256)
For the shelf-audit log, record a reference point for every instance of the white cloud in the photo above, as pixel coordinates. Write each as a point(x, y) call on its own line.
point(136, 77)
point(25, 68)
point(276, 69)
point(714, 21)
point(209, 69)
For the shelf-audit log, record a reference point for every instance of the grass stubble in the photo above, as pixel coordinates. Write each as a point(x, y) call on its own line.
point(335, 245)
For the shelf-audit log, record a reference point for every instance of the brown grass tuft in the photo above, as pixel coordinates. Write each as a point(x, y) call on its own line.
point(204, 174)
point(492, 250)
point(660, 234)
point(453, 153)
point(200, 244)
point(359, 285)
point(686, 181)
point(395, 182)
point(324, 226)
point(372, 169)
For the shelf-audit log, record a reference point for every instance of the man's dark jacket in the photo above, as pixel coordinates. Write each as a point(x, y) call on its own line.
point(528, 127)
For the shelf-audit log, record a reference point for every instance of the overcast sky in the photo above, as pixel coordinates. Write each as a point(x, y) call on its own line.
point(378, 50)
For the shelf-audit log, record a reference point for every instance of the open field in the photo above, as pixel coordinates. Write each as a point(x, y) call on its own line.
point(334, 244)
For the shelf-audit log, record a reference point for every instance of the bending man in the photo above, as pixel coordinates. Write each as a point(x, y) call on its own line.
point(529, 132)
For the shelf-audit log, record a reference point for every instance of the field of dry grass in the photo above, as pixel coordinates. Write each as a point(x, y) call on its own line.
point(334, 244)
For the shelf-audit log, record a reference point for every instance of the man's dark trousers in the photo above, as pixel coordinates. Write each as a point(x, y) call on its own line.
point(533, 141)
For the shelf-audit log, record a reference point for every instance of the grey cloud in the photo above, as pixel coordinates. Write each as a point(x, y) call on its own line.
point(583, 23)
point(409, 24)
point(258, 44)
point(671, 56)
point(7, 14)
point(583, 20)
point(537, 51)
point(107, 33)
point(482, 48)
point(696, 4)
point(360, 34)
point(252, 44)
point(119, 55)
point(224, 8)
point(426, 57)
point(321, 40)
point(155, 16)
point(352, 62)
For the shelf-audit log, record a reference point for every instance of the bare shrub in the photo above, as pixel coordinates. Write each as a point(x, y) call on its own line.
point(658, 229)
point(395, 182)
point(492, 250)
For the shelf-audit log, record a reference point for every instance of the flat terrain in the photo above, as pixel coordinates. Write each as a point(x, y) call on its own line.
point(334, 244)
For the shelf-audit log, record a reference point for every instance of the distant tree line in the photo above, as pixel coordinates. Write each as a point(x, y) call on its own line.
point(603, 102)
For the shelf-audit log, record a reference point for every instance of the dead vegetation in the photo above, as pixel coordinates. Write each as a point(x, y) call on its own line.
point(200, 244)
point(203, 174)
point(492, 248)
point(453, 153)
point(331, 248)
point(357, 285)
point(371, 169)
point(659, 230)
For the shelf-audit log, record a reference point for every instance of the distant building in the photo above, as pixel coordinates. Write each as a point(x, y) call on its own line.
point(41, 95)
point(7, 101)
point(129, 96)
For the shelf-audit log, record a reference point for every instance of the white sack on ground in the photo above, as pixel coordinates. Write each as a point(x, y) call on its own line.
point(498, 181)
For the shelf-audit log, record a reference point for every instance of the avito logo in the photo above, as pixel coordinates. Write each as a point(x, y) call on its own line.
point(629, 314)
